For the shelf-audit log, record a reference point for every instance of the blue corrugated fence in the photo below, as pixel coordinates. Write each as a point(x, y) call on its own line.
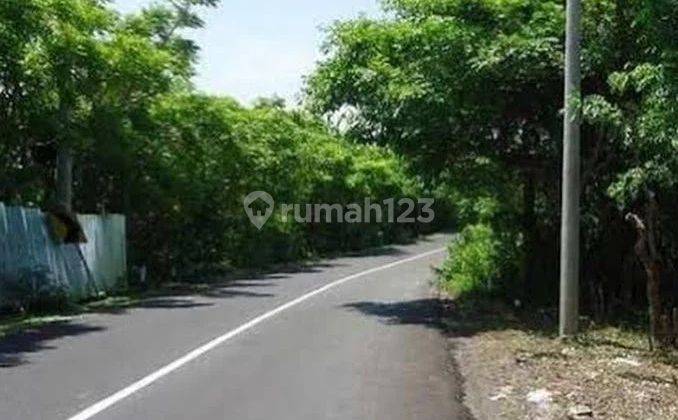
point(27, 248)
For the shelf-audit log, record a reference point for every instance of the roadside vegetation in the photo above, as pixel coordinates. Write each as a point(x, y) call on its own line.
point(105, 102)
point(459, 100)
point(202, 155)
point(472, 92)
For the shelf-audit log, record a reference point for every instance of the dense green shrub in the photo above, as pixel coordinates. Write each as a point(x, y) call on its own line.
point(482, 261)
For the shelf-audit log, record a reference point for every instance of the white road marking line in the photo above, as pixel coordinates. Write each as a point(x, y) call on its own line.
point(102, 405)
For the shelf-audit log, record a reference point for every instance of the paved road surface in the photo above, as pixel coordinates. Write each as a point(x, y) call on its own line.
point(367, 347)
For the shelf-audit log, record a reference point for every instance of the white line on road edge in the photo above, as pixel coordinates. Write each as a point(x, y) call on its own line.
point(166, 370)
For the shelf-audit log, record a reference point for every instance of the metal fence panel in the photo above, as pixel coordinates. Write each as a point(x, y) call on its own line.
point(27, 249)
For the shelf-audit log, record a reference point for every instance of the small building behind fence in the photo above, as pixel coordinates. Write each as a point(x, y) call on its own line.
point(29, 254)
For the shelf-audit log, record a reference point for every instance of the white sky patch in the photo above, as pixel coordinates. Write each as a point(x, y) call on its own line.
point(255, 48)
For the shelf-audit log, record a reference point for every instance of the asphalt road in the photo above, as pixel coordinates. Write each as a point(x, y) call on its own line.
point(350, 338)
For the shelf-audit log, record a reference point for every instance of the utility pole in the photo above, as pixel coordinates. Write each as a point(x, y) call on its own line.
point(570, 236)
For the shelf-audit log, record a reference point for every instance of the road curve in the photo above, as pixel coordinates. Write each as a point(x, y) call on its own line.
point(349, 338)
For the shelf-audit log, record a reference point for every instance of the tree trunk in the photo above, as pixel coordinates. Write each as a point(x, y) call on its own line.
point(530, 245)
point(648, 253)
point(64, 161)
point(64, 177)
point(654, 298)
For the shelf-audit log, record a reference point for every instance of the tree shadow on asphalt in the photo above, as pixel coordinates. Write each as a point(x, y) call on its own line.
point(460, 317)
point(186, 295)
point(179, 296)
point(14, 347)
point(425, 312)
point(473, 314)
point(34, 336)
point(375, 252)
point(170, 303)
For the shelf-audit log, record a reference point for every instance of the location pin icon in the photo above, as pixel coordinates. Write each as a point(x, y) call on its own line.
point(259, 218)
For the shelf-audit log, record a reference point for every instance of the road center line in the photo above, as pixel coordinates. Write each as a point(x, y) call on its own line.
point(167, 369)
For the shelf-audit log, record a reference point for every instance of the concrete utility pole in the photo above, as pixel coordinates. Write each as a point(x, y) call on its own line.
point(570, 252)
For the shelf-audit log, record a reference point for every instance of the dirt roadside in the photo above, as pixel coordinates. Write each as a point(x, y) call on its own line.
point(518, 369)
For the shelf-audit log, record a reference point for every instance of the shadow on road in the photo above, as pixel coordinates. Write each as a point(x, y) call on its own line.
point(15, 346)
point(170, 303)
point(461, 317)
point(426, 312)
point(377, 252)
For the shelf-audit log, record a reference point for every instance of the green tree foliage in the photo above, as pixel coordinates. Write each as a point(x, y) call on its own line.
point(205, 154)
point(74, 72)
point(115, 90)
point(484, 262)
point(471, 88)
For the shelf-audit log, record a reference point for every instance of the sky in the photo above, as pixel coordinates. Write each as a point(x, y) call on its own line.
point(256, 48)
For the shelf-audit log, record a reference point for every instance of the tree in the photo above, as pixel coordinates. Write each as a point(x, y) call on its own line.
point(76, 74)
point(463, 85)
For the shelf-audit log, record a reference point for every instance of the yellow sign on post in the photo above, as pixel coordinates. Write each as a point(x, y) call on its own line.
point(65, 227)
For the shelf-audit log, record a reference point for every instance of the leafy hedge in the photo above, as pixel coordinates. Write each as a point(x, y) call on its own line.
point(204, 154)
